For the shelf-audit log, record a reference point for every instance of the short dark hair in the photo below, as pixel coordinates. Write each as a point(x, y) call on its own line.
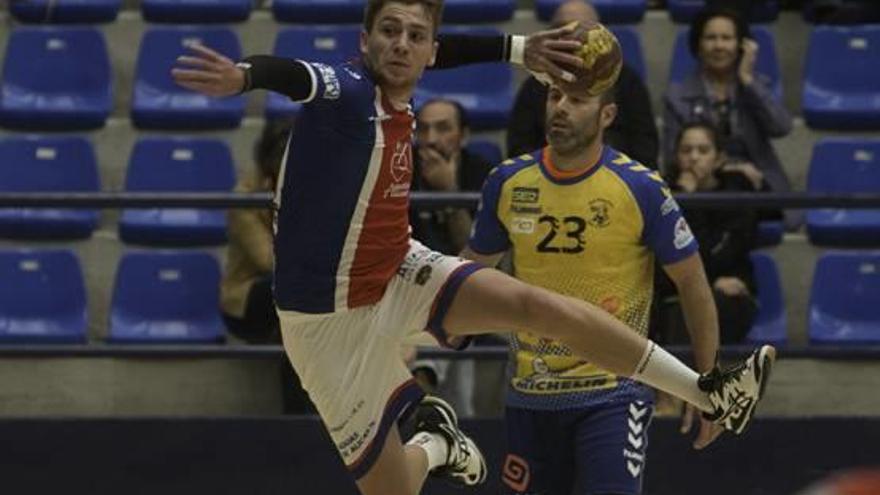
point(698, 26)
point(460, 112)
point(270, 147)
point(434, 8)
point(707, 126)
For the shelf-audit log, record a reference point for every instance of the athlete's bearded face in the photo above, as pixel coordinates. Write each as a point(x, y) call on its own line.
point(574, 122)
point(399, 46)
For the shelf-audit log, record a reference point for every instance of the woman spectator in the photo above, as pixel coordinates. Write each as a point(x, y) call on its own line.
point(725, 236)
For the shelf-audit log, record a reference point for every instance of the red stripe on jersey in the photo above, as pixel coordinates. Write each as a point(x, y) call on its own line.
point(384, 240)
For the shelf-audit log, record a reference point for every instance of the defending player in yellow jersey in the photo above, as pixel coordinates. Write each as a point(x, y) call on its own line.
point(585, 220)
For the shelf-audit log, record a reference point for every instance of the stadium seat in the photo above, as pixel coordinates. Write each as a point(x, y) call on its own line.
point(683, 63)
point(181, 165)
point(842, 78)
point(159, 103)
point(684, 11)
point(631, 46)
point(319, 11)
point(166, 297)
point(488, 104)
point(467, 11)
point(770, 233)
point(65, 11)
point(610, 11)
point(56, 79)
point(42, 297)
point(844, 165)
point(769, 326)
point(844, 299)
point(489, 150)
point(47, 164)
point(196, 11)
point(327, 44)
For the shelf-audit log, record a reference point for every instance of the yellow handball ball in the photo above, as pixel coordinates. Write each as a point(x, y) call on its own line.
point(602, 58)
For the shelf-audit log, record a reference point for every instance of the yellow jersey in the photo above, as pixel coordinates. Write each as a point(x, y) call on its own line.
point(593, 234)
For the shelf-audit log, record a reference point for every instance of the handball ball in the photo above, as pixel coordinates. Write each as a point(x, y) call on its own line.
point(602, 57)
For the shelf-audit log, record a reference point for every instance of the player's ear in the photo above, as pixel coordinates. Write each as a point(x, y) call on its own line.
point(363, 43)
point(434, 48)
point(608, 114)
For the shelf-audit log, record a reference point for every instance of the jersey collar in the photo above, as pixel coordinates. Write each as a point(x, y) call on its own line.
point(557, 176)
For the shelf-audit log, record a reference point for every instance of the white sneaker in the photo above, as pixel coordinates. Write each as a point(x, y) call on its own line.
point(465, 464)
point(736, 391)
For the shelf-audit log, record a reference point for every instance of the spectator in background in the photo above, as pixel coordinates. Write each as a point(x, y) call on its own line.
point(633, 132)
point(725, 236)
point(725, 90)
point(442, 163)
point(246, 289)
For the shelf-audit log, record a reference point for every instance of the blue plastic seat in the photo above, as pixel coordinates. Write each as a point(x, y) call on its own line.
point(684, 11)
point(770, 323)
point(488, 103)
point(196, 11)
point(326, 44)
point(42, 297)
point(683, 63)
point(844, 299)
point(770, 233)
point(610, 11)
point(319, 11)
point(631, 46)
point(489, 150)
point(181, 165)
point(65, 11)
point(467, 11)
point(47, 164)
point(844, 165)
point(159, 103)
point(56, 79)
point(842, 78)
point(166, 297)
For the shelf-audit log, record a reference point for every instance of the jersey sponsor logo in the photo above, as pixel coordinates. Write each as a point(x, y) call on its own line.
point(668, 206)
point(423, 275)
point(522, 225)
point(525, 195)
point(533, 210)
point(332, 88)
point(401, 170)
point(599, 209)
point(683, 234)
point(559, 384)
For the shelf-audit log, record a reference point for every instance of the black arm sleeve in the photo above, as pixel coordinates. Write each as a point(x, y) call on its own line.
point(461, 49)
point(281, 75)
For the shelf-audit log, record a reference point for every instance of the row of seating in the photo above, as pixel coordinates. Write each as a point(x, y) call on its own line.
point(61, 79)
point(341, 11)
point(182, 164)
point(173, 297)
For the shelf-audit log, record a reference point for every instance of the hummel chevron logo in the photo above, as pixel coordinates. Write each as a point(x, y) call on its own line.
point(636, 442)
point(634, 427)
point(637, 413)
point(634, 469)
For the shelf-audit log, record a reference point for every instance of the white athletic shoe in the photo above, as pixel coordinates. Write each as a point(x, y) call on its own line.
point(465, 464)
point(736, 391)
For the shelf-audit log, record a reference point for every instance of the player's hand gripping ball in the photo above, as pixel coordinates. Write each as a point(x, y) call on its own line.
point(602, 58)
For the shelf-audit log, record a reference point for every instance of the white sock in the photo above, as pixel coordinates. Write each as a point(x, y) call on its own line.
point(664, 371)
point(435, 448)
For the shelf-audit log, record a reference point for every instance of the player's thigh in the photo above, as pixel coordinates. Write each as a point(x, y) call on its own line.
point(611, 442)
point(390, 474)
point(539, 453)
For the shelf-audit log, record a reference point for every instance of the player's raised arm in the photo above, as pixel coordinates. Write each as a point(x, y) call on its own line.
point(549, 51)
point(209, 72)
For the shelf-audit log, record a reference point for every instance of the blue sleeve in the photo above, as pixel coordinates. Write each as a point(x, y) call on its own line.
point(489, 236)
point(666, 232)
point(334, 84)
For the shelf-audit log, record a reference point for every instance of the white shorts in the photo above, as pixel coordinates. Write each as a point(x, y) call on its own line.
point(350, 363)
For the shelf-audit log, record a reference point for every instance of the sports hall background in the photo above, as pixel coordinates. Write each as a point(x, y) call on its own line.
point(109, 418)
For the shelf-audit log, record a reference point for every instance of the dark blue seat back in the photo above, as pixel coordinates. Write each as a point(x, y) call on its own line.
point(65, 11)
point(770, 322)
point(844, 299)
point(196, 11)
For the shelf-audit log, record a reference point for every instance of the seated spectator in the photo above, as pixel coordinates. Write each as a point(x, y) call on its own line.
point(633, 131)
point(725, 236)
point(443, 164)
point(725, 90)
point(246, 289)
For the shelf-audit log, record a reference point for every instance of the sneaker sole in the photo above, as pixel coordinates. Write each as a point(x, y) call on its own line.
point(765, 360)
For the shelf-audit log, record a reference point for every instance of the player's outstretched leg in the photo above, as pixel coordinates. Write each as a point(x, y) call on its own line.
point(735, 392)
point(464, 463)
